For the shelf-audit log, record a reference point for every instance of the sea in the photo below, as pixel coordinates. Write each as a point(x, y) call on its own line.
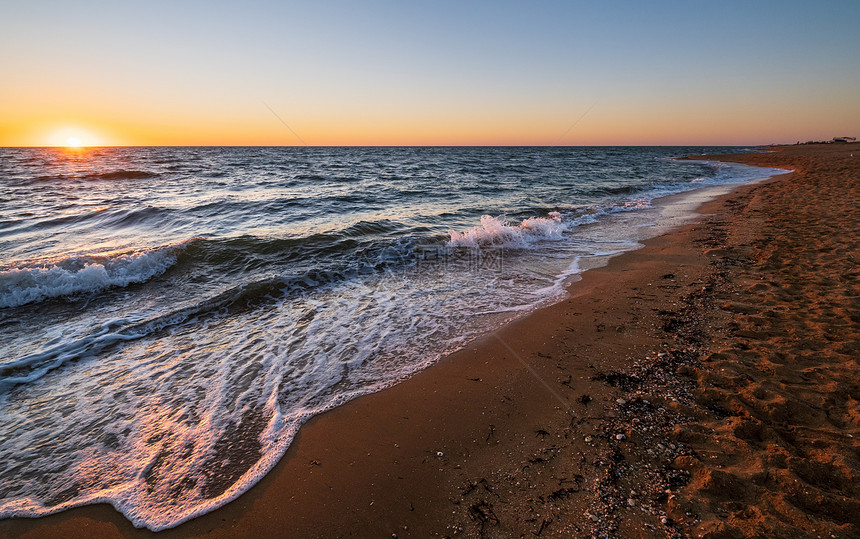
point(170, 316)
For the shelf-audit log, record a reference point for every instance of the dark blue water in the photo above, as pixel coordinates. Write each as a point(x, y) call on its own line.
point(169, 317)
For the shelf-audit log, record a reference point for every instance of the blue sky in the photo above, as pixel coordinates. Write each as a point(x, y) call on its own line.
point(430, 73)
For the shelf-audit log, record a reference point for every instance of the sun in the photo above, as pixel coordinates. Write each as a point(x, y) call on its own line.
point(73, 138)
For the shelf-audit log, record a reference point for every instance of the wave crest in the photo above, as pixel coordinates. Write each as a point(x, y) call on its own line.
point(123, 175)
point(120, 174)
point(498, 232)
point(82, 275)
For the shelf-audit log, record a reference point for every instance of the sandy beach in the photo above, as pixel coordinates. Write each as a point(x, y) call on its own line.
point(705, 385)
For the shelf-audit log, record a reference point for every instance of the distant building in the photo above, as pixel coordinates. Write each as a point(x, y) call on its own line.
point(844, 139)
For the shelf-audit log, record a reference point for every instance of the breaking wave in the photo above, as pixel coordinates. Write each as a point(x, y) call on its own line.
point(499, 232)
point(84, 274)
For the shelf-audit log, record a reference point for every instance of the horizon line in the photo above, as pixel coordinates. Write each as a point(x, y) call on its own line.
point(403, 146)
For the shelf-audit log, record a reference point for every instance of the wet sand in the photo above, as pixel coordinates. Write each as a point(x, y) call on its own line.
point(705, 385)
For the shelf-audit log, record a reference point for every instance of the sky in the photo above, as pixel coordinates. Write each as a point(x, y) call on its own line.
point(428, 73)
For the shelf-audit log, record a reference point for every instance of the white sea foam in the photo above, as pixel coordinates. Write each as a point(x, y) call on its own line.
point(497, 231)
point(159, 408)
point(82, 275)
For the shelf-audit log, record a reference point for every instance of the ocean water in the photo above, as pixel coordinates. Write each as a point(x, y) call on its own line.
point(169, 317)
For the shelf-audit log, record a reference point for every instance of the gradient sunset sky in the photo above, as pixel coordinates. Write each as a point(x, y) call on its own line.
point(429, 73)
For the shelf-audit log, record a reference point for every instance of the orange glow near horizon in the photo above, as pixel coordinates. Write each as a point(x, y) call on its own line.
point(614, 119)
point(69, 137)
point(609, 123)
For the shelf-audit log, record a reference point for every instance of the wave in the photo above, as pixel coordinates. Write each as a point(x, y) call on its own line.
point(115, 175)
point(498, 232)
point(360, 247)
point(241, 298)
point(123, 175)
point(372, 228)
point(620, 190)
point(84, 274)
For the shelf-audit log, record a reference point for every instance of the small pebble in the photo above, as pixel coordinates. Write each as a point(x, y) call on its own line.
point(440, 454)
point(588, 439)
point(621, 401)
point(619, 436)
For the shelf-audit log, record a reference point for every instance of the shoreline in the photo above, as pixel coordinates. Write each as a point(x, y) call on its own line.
point(525, 420)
